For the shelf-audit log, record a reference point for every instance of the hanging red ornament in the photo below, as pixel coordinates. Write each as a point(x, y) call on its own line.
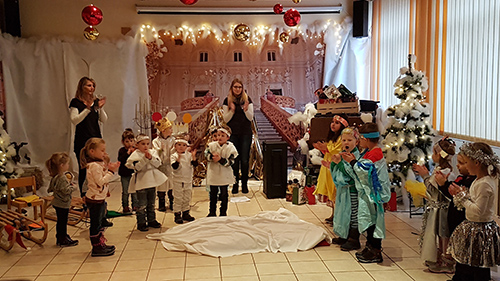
point(189, 2)
point(92, 15)
point(278, 9)
point(291, 17)
point(156, 116)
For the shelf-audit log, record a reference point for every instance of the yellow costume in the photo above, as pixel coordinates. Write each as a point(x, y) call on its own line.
point(325, 184)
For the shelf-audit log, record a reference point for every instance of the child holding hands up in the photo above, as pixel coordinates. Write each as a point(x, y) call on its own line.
point(475, 243)
point(145, 162)
point(220, 155)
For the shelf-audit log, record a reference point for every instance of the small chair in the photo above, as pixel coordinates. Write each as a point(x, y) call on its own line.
point(19, 203)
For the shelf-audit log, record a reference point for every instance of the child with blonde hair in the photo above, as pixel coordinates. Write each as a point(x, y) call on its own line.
point(145, 179)
point(345, 220)
point(435, 220)
point(62, 187)
point(163, 145)
point(372, 184)
point(475, 243)
point(99, 173)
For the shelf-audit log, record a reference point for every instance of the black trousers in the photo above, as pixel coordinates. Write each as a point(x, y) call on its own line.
point(372, 241)
point(96, 211)
point(62, 223)
point(82, 173)
point(214, 191)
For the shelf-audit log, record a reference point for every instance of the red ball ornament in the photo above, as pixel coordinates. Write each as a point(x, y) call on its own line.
point(189, 2)
point(156, 116)
point(92, 15)
point(278, 9)
point(291, 17)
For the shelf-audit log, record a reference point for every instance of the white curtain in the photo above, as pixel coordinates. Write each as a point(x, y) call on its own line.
point(472, 69)
point(347, 60)
point(393, 48)
point(41, 76)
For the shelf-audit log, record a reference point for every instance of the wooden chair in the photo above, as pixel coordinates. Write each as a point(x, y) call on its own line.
point(19, 204)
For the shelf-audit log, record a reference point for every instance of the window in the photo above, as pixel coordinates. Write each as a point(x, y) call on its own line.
point(238, 56)
point(271, 56)
point(203, 57)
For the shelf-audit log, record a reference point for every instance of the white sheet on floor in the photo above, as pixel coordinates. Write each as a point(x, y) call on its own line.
point(272, 231)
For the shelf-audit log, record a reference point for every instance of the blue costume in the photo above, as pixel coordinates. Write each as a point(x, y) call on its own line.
point(372, 183)
point(345, 184)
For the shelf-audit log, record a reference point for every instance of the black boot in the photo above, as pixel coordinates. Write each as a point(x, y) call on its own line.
point(186, 216)
point(178, 218)
point(371, 255)
point(99, 248)
point(339, 241)
point(352, 241)
point(161, 201)
point(104, 240)
point(66, 242)
point(106, 223)
point(170, 200)
point(244, 187)
point(235, 188)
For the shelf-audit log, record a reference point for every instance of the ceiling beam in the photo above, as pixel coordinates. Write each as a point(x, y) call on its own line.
point(155, 10)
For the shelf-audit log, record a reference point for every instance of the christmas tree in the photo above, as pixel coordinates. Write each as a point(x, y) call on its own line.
point(408, 134)
point(8, 168)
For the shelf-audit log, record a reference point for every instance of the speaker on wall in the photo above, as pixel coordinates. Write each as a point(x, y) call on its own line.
point(9, 17)
point(360, 18)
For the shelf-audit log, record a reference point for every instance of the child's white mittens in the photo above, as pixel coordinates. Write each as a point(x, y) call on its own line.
point(446, 171)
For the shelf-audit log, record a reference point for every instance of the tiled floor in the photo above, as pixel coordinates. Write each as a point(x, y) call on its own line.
point(138, 258)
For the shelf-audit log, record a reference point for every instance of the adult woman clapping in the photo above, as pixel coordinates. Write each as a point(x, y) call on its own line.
point(86, 111)
point(238, 114)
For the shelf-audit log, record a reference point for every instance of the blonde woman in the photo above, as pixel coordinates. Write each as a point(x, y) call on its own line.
point(86, 111)
point(238, 114)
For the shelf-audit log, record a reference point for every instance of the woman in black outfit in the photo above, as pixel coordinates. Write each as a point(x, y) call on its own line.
point(238, 114)
point(86, 111)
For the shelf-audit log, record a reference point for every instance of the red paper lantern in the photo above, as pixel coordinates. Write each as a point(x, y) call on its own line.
point(278, 9)
point(92, 15)
point(156, 116)
point(291, 17)
point(189, 2)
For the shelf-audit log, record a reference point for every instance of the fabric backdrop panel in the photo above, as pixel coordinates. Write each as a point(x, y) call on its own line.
point(41, 77)
point(36, 107)
point(348, 62)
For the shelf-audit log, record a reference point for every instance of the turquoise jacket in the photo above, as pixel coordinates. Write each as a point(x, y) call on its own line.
point(343, 182)
point(373, 185)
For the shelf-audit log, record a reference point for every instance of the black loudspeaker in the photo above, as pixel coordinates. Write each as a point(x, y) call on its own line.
point(9, 17)
point(275, 169)
point(360, 18)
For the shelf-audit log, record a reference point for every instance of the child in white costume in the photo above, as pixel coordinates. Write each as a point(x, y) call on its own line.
point(146, 178)
point(163, 145)
point(182, 179)
point(220, 156)
point(475, 243)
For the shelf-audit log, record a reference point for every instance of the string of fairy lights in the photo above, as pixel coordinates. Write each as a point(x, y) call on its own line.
point(258, 35)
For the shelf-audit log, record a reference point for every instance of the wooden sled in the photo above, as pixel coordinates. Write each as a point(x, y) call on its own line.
point(10, 243)
point(76, 211)
point(26, 226)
